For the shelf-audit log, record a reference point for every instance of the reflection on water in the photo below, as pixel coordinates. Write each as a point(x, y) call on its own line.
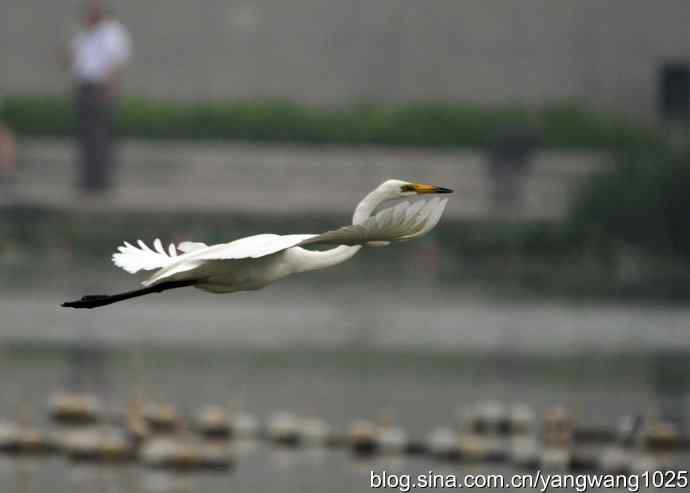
point(418, 391)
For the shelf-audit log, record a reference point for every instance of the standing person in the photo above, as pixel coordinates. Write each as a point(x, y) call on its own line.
point(98, 54)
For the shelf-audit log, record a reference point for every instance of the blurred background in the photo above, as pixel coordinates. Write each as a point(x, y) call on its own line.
point(557, 283)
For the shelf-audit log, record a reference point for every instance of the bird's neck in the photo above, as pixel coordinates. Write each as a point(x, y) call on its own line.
point(366, 207)
point(307, 260)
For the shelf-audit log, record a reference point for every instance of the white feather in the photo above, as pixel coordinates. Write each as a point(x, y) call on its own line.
point(436, 208)
point(190, 246)
point(133, 259)
point(256, 246)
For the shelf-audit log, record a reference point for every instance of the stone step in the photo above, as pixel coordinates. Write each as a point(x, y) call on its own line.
point(288, 178)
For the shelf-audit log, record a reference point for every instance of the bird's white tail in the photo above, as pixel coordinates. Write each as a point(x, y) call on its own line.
point(133, 259)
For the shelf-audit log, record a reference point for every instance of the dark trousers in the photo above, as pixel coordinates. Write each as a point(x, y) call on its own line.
point(94, 109)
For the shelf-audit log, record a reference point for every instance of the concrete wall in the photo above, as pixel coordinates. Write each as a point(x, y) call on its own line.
point(328, 51)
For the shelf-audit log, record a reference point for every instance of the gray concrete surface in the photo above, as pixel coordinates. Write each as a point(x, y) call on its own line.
point(300, 312)
point(294, 179)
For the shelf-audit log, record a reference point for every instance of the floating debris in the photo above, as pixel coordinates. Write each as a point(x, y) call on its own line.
point(525, 451)
point(368, 438)
point(75, 409)
point(213, 422)
point(23, 440)
point(521, 419)
point(392, 439)
point(315, 432)
point(98, 444)
point(244, 425)
point(485, 418)
point(161, 417)
point(363, 437)
point(444, 444)
point(137, 428)
point(156, 435)
point(664, 436)
point(283, 428)
point(482, 448)
point(180, 454)
point(559, 428)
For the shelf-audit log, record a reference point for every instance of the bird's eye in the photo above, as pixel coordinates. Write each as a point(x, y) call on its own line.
point(407, 188)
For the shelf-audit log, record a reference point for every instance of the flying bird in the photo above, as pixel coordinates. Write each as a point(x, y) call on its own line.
point(250, 263)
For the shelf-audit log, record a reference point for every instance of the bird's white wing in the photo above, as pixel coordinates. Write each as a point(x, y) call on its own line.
point(403, 222)
point(250, 247)
point(133, 259)
point(190, 246)
point(256, 246)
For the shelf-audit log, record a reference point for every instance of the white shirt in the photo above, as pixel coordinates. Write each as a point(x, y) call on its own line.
point(100, 50)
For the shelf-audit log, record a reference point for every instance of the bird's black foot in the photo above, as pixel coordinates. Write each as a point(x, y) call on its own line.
point(88, 301)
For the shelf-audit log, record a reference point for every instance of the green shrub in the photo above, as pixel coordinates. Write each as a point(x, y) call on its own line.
point(642, 200)
point(39, 115)
point(423, 125)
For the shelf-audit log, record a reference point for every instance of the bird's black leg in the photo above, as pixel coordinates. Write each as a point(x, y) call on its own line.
point(96, 300)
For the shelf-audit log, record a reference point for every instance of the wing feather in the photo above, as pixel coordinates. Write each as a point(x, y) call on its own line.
point(190, 246)
point(133, 259)
point(412, 211)
point(402, 222)
point(420, 219)
point(434, 217)
point(256, 246)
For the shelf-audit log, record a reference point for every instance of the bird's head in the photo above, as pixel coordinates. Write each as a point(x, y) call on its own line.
point(394, 189)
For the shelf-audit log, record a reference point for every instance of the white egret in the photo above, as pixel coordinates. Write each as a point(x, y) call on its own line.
point(256, 261)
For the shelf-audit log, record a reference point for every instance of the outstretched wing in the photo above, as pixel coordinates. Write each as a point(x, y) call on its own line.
point(134, 259)
point(403, 222)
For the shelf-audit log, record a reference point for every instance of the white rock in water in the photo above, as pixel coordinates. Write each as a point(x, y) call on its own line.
point(443, 441)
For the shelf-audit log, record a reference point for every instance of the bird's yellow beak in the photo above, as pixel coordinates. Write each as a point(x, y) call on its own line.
point(421, 188)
